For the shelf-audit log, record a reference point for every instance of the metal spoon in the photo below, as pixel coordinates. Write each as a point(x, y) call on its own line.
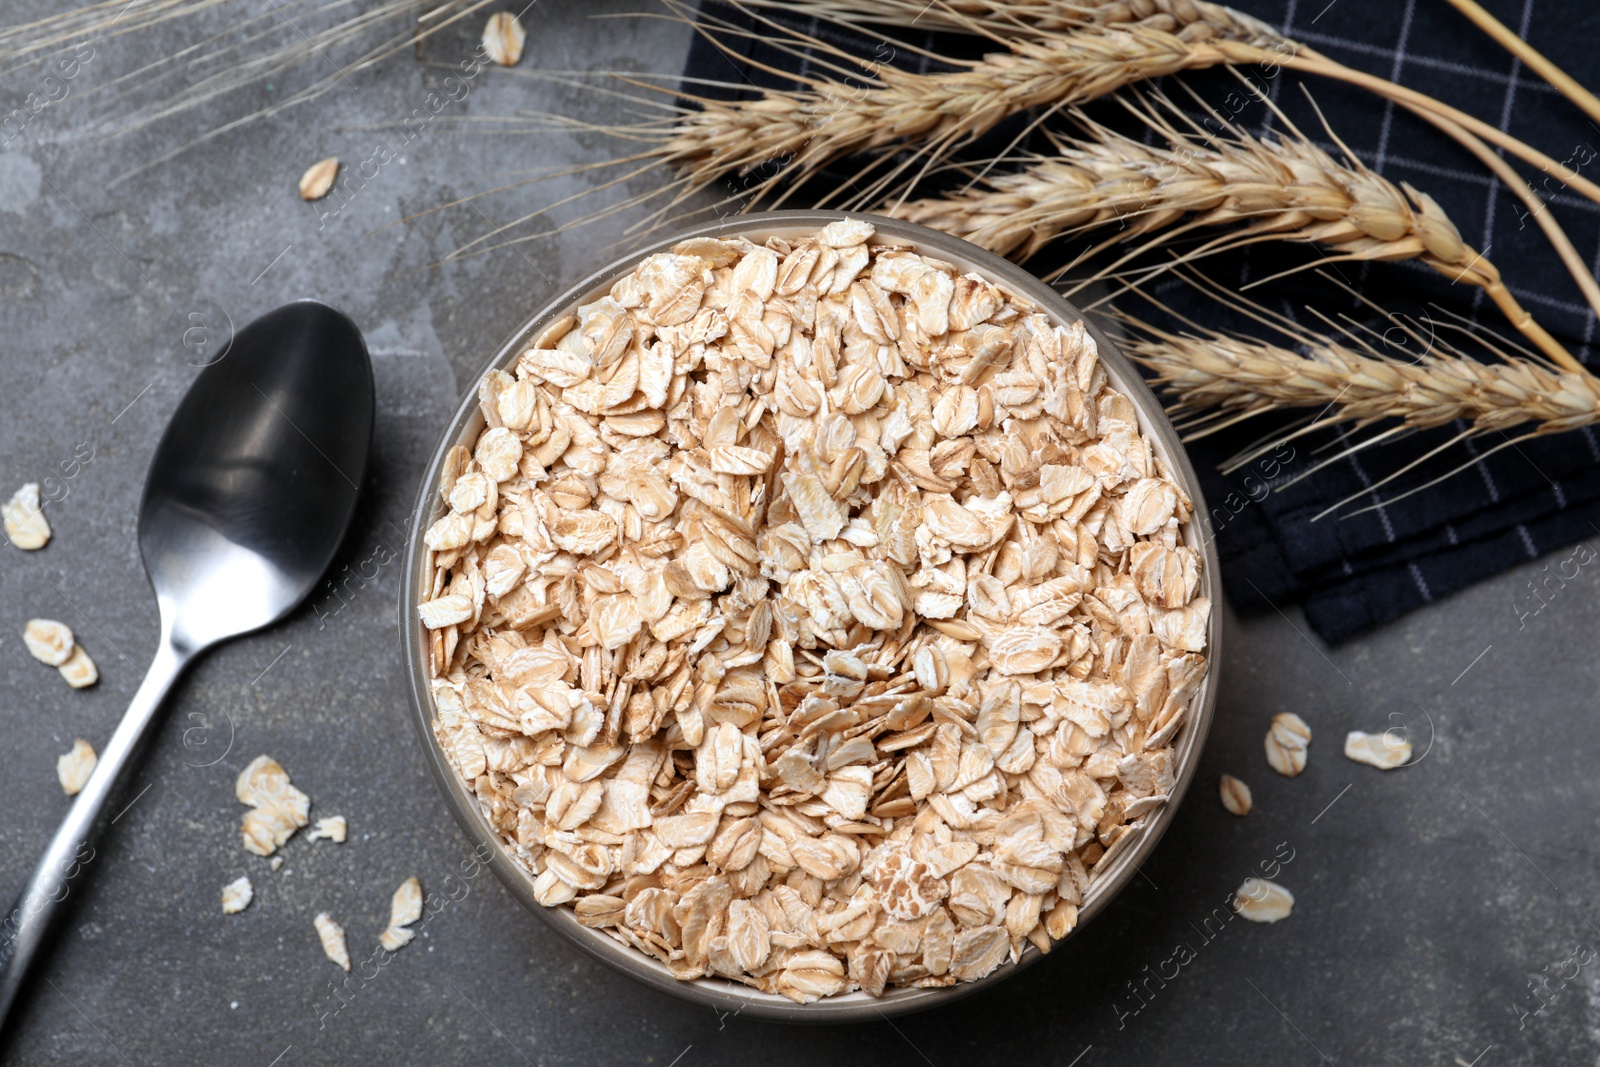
point(250, 493)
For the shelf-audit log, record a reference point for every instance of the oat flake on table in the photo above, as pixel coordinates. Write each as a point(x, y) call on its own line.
point(24, 521)
point(48, 641)
point(1260, 901)
point(503, 38)
point(236, 895)
point(1286, 743)
point(1235, 795)
point(74, 767)
point(813, 615)
point(1385, 751)
point(318, 179)
point(79, 670)
point(331, 934)
point(277, 809)
point(405, 908)
point(333, 828)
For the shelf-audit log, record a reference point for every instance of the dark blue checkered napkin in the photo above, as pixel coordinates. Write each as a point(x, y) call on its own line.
point(1366, 564)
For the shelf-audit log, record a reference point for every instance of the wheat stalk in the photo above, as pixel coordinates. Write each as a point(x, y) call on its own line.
point(1284, 187)
point(1531, 57)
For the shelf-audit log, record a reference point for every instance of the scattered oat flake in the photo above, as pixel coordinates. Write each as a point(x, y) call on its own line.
point(236, 895)
point(404, 909)
point(332, 828)
point(1235, 795)
point(1385, 751)
point(332, 936)
point(277, 861)
point(25, 524)
point(317, 181)
point(1286, 743)
point(79, 670)
point(73, 768)
point(50, 642)
point(277, 809)
point(395, 938)
point(503, 38)
point(1261, 901)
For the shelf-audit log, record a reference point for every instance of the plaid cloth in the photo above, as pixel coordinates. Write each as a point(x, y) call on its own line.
point(1383, 553)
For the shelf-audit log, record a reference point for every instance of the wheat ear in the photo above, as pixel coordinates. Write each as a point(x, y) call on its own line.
point(1241, 376)
point(830, 119)
point(1220, 379)
point(1284, 187)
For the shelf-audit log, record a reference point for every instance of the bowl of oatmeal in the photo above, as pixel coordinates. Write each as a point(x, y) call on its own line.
point(809, 616)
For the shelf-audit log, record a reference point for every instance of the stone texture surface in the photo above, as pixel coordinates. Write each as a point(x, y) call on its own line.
point(1434, 904)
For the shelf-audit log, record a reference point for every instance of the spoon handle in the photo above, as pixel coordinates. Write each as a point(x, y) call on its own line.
point(72, 851)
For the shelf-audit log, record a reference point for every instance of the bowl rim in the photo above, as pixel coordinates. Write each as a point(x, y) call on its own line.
point(724, 994)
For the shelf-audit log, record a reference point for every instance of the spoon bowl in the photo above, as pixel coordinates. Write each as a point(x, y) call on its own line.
point(249, 495)
point(255, 480)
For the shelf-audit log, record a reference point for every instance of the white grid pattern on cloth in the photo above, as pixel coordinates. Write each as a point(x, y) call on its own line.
point(1383, 514)
point(1422, 583)
point(1527, 541)
point(1394, 75)
point(1594, 446)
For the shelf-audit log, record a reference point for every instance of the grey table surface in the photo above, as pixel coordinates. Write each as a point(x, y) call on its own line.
point(1445, 912)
